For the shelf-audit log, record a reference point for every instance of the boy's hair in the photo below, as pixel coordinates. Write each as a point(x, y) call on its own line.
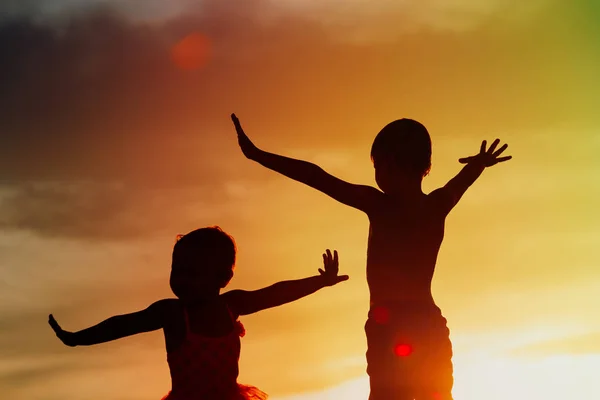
point(406, 143)
point(208, 252)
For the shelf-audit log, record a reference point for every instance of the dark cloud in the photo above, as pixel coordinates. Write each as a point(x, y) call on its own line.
point(107, 211)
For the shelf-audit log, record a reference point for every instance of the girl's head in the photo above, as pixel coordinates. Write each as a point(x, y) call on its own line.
point(203, 262)
point(401, 152)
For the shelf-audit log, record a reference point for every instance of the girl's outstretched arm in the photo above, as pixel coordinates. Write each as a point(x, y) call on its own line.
point(243, 302)
point(457, 186)
point(115, 327)
point(361, 197)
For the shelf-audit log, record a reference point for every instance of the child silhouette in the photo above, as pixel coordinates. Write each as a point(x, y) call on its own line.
point(201, 327)
point(409, 353)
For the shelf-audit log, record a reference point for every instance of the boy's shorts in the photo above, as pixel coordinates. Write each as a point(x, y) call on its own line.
point(409, 352)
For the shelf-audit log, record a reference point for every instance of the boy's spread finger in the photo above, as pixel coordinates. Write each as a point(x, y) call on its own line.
point(500, 150)
point(483, 145)
point(493, 146)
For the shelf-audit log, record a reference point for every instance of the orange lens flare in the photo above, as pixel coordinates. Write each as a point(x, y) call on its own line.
point(192, 52)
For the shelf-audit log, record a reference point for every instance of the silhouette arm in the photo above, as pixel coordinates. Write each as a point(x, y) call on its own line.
point(453, 191)
point(361, 197)
point(243, 302)
point(113, 328)
point(475, 165)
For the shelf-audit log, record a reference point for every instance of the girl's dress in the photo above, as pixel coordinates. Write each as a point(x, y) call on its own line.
point(206, 368)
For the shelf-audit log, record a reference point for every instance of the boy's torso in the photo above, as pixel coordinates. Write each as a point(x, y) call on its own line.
point(404, 241)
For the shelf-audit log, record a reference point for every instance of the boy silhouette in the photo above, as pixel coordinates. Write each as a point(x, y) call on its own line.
point(409, 353)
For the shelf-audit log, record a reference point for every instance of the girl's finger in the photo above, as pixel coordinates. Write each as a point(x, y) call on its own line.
point(502, 159)
point(483, 145)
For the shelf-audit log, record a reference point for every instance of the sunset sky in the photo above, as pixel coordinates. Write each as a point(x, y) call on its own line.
point(108, 150)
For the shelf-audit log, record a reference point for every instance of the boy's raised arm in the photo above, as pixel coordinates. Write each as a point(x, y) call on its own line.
point(243, 302)
point(475, 165)
point(361, 197)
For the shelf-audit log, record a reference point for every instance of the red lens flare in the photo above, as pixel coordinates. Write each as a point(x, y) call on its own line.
point(192, 52)
point(403, 350)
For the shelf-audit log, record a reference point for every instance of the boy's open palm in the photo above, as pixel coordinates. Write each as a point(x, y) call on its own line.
point(248, 148)
point(331, 267)
point(488, 157)
point(64, 336)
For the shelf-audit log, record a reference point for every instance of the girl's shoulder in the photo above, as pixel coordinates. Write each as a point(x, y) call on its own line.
point(168, 304)
point(234, 301)
point(166, 308)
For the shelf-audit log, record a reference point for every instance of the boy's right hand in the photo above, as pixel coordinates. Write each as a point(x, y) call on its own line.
point(331, 268)
point(67, 338)
point(248, 148)
point(488, 157)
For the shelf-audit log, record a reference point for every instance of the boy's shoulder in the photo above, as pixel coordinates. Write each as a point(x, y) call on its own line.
point(442, 200)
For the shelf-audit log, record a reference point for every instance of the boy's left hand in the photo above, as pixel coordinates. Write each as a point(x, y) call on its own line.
point(331, 268)
point(489, 157)
point(248, 148)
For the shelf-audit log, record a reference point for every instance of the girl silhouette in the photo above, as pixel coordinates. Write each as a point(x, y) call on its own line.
point(201, 326)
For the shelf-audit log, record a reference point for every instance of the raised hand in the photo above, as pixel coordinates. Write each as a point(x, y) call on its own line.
point(64, 336)
point(489, 157)
point(331, 268)
point(248, 148)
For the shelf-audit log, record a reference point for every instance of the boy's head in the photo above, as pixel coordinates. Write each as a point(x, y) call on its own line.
point(203, 261)
point(402, 149)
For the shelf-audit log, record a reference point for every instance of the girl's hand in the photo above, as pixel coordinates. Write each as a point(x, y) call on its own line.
point(67, 338)
point(248, 148)
point(489, 157)
point(331, 268)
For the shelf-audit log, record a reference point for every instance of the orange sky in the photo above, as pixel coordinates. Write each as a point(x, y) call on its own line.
point(108, 151)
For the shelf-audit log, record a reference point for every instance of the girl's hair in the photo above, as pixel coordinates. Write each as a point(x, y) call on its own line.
point(406, 143)
point(208, 253)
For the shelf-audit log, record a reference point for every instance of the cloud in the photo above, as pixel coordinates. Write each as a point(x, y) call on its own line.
point(586, 344)
point(99, 128)
point(112, 210)
point(443, 14)
point(387, 18)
